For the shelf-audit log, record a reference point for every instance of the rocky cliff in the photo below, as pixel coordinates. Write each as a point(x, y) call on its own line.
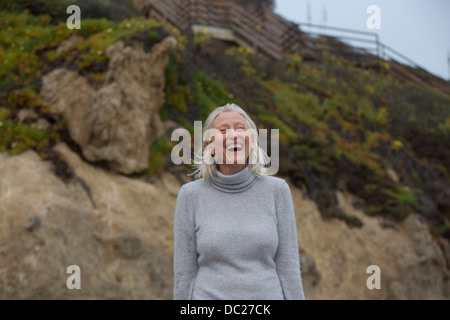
point(117, 123)
point(118, 230)
point(83, 117)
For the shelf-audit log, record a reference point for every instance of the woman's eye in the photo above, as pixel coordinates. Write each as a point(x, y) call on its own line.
point(223, 130)
point(240, 129)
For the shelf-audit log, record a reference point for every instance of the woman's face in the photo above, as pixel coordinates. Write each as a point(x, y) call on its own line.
point(234, 138)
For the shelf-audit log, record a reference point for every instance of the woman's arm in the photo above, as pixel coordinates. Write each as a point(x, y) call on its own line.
point(185, 248)
point(287, 259)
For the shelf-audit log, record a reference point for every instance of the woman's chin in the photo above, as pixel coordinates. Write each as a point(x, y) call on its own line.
point(235, 158)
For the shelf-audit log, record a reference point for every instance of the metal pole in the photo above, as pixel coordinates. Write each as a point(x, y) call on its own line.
point(448, 60)
point(378, 51)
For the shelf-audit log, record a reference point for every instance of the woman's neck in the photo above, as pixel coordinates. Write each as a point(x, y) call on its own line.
point(229, 169)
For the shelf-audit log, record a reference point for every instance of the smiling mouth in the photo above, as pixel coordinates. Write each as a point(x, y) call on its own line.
point(235, 147)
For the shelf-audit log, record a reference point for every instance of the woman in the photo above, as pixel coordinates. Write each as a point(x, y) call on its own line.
point(235, 233)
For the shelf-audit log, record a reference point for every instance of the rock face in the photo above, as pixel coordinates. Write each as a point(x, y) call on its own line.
point(412, 265)
point(107, 224)
point(117, 123)
point(118, 230)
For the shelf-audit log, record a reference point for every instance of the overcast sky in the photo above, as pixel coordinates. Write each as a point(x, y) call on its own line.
point(418, 29)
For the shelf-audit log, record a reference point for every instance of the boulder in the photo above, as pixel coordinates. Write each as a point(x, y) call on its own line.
point(117, 230)
point(117, 123)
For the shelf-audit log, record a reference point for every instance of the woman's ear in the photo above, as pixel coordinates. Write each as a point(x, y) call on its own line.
point(252, 144)
point(253, 153)
point(210, 147)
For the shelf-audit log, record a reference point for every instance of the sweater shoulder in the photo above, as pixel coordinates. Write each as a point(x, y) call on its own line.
point(273, 181)
point(193, 187)
point(274, 184)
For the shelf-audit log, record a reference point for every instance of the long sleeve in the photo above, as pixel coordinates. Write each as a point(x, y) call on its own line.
point(185, 248)
point(287, 257)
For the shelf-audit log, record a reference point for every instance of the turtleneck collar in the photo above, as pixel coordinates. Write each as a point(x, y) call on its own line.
point(237, 182)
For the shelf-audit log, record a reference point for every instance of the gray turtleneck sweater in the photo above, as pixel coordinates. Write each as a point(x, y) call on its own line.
point(235, 238)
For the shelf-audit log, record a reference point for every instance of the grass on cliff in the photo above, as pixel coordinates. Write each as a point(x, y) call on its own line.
point(29, 49)
point(341, 126)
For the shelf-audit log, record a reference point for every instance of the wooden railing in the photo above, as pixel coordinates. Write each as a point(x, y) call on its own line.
point(263, 33)
point(255, 31)
point(367, 48)
point(266, 32)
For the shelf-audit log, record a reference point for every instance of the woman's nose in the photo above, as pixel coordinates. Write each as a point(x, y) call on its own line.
point(232, 134)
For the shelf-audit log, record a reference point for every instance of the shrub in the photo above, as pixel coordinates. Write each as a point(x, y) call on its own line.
point(158, 151)
point(208, 94)
point(17, 137)
point(56, 9)
point(114, 10)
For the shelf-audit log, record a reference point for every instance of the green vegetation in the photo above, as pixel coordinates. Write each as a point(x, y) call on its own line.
point(28, 50)
point(158, 152)
point(338, 123)
point(176, 94)
point(17, 137)
point(404, 197)
point(54, 9)
point(114, 10)
point(208, 94)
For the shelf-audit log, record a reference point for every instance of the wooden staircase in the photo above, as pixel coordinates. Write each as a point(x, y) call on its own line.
point(267, 33)
point(261, 30)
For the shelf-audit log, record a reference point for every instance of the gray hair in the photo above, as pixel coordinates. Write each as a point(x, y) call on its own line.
point(204, 167)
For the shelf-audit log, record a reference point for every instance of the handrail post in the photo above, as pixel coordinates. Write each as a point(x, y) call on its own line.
point(187, 18)
point(191, 12)
point(377, 39)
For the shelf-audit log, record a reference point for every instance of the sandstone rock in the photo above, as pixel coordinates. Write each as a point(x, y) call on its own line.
point(33, 223)
point(42, 124)
point(412, 265)
point(310, 274)
point(129, 246)
point(118, 123)
point(26, 115)
point(124, 243)
point(69, 43)
point(66, 92)
point(393, 175)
